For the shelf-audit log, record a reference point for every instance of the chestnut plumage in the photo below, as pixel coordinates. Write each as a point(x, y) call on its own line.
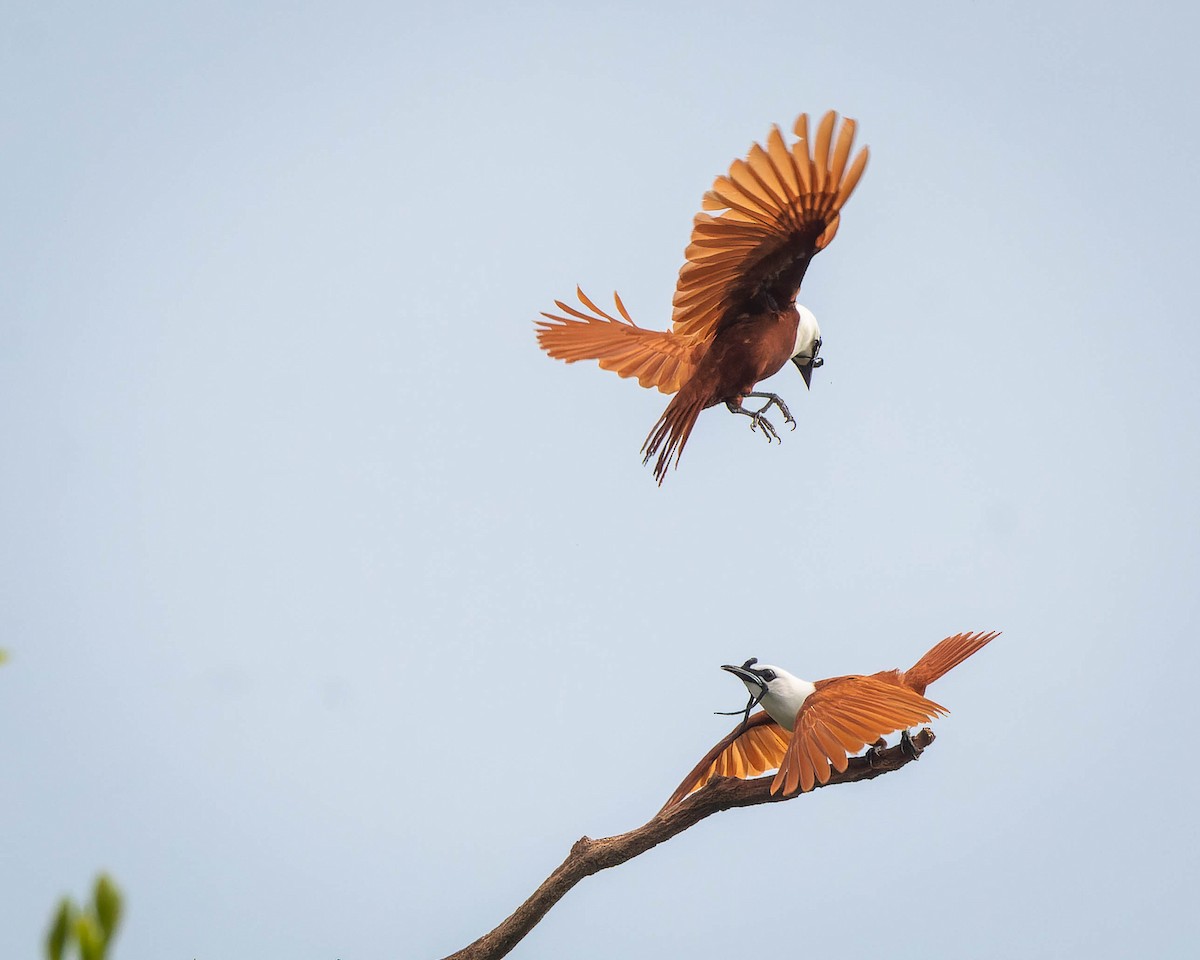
point(735, 320)
point(807, 729)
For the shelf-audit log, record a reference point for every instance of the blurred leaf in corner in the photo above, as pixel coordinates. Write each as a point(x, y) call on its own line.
point(60, 927)
point(90, 928)
point(108, 905)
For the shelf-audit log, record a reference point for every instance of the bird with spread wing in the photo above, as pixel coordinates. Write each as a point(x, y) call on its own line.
point(805, 729)
point(735, 320)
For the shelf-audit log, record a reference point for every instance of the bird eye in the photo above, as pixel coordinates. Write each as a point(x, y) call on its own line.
point(767, 675)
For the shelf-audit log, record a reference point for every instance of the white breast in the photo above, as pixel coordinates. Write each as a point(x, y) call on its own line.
point(785, 696)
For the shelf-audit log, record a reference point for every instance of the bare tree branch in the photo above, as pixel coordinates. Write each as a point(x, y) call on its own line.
point(589, 856)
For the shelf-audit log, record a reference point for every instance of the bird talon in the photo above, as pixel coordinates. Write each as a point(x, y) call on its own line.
point(908, 746)
point(756, 416)
point(773, 400)
point(768, 429)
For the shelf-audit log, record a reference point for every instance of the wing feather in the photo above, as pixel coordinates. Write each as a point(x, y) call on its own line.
point(830, 745)
point(814, 765)
point(841, 152)
point(784, 162)
point(779, 207)
point(762, 168)
point(853, 711)
point(735, 199)
point(749, 750)
point(656, 358)
point(851, 179)
point(621, 309)
point(801, 155)
point(748, 182)
point(821, 150)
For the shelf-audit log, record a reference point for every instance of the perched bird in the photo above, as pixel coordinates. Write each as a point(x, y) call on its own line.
point(806, 728)
point(735, 319)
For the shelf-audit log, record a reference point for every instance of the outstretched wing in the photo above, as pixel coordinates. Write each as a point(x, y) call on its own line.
point(749, 750)
point(781, 206)
point(841, 717)
point(657, 358)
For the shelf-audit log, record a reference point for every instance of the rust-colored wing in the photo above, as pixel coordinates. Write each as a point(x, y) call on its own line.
point(750, 749)
point(656, 358)
point(841, 717)
point(780, 206)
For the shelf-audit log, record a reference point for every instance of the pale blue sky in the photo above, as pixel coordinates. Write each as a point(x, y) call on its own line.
point(337, 611)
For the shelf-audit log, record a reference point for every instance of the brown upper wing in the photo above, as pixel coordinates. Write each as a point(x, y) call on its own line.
point(841, 717)
point(780, 207)
point(749, 750)
point(657, 358)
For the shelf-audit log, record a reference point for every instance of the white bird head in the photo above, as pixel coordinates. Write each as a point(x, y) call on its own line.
point(808, 344)
point(780, 693)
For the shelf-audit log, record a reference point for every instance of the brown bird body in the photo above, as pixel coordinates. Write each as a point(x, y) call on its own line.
point(809, 728)
point(735, 320)
point(752, 348)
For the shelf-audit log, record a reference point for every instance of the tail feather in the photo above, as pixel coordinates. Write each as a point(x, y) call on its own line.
point(944, 657)
point(669, 436)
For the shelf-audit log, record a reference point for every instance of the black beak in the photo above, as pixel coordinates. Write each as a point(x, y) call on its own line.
point(806, 365)
point(806, 368)
point(742, 673)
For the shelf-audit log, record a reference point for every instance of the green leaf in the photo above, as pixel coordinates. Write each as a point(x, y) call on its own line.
point(89, 937)
point(108, 905)
point(60, 929)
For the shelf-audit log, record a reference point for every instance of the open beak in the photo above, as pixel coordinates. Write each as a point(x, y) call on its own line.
point(748, 677)
point(743, 674)
point(755, 698)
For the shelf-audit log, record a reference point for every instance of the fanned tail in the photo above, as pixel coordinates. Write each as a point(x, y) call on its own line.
point(669, 436)
point(944, 657)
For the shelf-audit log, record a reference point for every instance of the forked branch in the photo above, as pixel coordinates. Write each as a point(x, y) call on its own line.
point(589, 856)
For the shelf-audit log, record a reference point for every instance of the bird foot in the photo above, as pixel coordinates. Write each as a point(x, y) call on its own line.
point(773, 399)
point(756, 420)
point(874, 750)
point(756, 416)
point(768, 428)
point(909, 746)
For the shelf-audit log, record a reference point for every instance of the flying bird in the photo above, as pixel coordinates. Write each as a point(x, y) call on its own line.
point(806, 728)
point(735, 320)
